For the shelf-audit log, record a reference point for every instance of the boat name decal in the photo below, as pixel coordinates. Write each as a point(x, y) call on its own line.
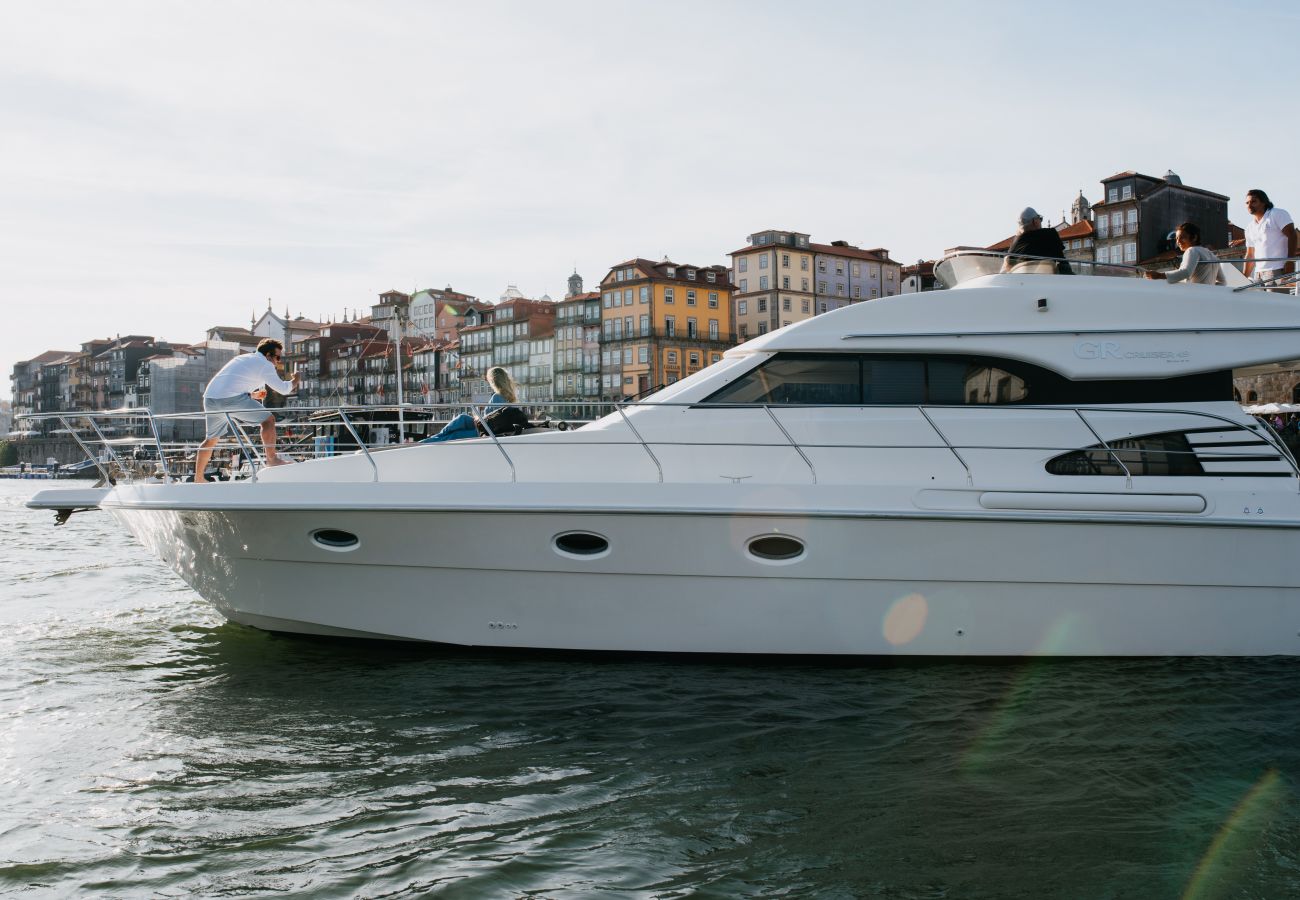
point(1113, 350)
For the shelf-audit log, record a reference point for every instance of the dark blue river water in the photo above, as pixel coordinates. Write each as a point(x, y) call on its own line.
point(148, 749)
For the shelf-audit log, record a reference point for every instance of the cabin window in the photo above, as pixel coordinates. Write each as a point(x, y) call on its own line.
point(1168, 453)
point(837, 378)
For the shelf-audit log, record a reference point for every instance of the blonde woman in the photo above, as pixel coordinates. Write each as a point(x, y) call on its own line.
point(504, 392)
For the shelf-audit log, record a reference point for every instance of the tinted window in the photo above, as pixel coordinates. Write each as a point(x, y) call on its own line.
point(1151, 454)
point(820, 380)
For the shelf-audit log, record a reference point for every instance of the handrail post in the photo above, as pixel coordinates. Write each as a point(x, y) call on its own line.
point(1128, 476)
point(514, 475)
point(347, 423)
point(84, 449)
point(248, 452)
point(157, 441)
point(107, 446)
point(970, 479)
point(618, 405)
point(797, 448)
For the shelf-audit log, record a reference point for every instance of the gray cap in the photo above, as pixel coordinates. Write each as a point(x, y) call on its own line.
point(1028, 214)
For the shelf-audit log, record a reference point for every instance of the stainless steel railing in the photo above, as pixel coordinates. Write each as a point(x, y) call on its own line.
point(331, 431)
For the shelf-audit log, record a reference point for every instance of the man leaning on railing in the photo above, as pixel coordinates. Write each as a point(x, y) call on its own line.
point(229, 397)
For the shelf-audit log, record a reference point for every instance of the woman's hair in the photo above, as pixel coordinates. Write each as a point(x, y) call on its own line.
point(500, 381)
point(1261, 197)
point(1191, 231)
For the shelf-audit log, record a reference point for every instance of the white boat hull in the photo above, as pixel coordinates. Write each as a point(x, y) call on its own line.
point(876, 584)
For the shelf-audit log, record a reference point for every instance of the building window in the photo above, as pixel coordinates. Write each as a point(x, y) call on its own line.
point(645, 324)
point(609, 300)
point(821, 287)
point(804, 284)
point(1130, 252)
point(762, 282)
point(821, 265)
point(785, 304)
point(742, 264)
point(1117, 223)
point(690, 274)
point(672, 357)
point(1132, 221)
point(839, 267)
point(713, 299)
point(645, 293)
point(744, 285)
point(670, 326)
point(744, 331)
point(711, 276)
point(804, 307)
point(762, 304)
point(692, 329)
point(785, 260)
point(762, 328)
point(643, 354)
point(668, 295)
point(671, 271)
point(785, 282)
point(1126, 193)
point(1103, 226)
point(742, 307)
point(1112, 195)
point(693, 359)
point(762, 261)
point(690, 298)
point(803, 262)
point(627, 356)
point(713, 329)
point(839, 290)
point(823, 306)
point(856, 270)
point(857, 292)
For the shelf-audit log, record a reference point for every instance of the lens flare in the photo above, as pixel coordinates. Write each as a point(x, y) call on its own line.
point(906, 619)
point(1242, 831)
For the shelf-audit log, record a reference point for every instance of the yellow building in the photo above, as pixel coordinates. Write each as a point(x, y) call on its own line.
point(661, 322)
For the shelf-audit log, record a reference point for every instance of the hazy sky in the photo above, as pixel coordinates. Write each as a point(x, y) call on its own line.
point(165, 167)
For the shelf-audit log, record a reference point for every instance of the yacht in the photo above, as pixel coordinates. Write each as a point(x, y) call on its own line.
point(1024, 463)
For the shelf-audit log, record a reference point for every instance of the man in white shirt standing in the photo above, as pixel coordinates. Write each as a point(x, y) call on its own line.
point(1270, 237)
point(229, 395)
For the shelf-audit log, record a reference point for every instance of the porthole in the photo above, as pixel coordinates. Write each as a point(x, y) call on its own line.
point(335, 539)
point(581, 544)
point(776, 548)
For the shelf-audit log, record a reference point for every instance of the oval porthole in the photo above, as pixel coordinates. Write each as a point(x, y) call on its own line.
point(334, 539)
point(776, 548)
point(581, 543)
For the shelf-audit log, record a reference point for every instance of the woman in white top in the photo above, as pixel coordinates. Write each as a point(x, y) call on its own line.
point(1200, 265)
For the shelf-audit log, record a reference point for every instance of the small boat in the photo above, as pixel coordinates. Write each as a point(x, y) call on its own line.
point(1022, 464)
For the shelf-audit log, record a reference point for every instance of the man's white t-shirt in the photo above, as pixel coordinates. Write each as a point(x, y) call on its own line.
point(243, 375)
point(1265, 237)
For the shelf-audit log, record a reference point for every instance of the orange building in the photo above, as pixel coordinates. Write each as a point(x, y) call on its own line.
point(661, 322)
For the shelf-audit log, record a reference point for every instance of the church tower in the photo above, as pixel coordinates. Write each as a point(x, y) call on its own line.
point(1080, 209)
point(575, 284)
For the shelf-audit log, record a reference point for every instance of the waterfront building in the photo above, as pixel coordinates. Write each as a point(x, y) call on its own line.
point(516, 323)
point(577, 348)
point(661, 322)
point(233, 334)
point(845, 274)
point(312, 356)
point(1137, 219)
point(284, 329)
point(475, 355)
point(438, 315)
point(919, 277)
point(774, 282)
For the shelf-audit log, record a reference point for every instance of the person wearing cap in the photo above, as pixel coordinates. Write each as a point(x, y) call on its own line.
point(1034, 241)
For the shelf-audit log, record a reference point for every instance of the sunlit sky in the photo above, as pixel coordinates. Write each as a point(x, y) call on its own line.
point(166, 167)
